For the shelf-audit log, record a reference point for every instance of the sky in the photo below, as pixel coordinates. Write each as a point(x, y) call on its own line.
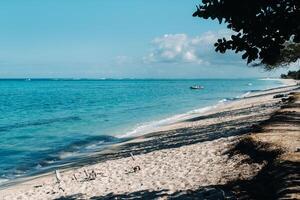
point(113, 39)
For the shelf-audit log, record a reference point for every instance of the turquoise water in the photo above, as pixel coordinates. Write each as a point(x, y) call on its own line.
point(44, 121)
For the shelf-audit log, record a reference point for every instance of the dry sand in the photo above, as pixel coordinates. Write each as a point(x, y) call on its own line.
point(185, 159)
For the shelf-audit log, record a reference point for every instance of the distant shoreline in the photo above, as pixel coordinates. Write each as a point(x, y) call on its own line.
point(214, 108)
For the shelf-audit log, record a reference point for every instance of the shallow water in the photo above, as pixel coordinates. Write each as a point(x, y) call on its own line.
point(44, 121)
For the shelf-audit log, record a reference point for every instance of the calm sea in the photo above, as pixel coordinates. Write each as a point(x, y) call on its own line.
point(44, 121)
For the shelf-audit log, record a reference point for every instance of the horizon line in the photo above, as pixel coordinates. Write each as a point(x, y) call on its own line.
point(70, 78)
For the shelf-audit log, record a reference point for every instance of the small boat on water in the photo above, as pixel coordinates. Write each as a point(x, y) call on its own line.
point(196, 87)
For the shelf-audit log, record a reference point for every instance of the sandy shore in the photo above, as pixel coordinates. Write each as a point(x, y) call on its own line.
point(185, 159)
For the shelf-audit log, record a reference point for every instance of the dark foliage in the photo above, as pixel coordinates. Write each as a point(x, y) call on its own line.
point(268, 31)
point(292, 75)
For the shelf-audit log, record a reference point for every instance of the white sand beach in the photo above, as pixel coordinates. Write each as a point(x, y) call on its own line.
point(179, 160)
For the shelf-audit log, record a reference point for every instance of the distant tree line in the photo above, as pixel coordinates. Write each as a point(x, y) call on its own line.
point(291, 75)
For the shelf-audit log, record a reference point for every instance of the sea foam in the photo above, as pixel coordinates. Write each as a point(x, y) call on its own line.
point(153, 126)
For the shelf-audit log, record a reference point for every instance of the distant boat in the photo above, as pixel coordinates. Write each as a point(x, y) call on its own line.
point(28, 79)
point(196, 87)
point(249, 84)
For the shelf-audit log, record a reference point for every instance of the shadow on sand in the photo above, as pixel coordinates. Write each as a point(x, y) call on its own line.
point(187, 136)
point(276, 180)
point(220, 128)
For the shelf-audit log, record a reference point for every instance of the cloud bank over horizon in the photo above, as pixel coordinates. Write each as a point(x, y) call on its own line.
point(180, 48)
point(196, 55)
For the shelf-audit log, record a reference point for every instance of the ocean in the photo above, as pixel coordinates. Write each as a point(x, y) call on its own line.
point(44, 121)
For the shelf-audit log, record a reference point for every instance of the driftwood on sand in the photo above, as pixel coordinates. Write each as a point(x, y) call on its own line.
point(58, 176)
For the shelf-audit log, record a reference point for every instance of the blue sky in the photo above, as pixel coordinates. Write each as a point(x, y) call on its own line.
point(109, 38)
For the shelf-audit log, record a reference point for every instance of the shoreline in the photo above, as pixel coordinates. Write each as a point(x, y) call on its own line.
point(90, 145)
point(165, 122)
point(138, 144)
point(172, 125)
point(202, 123)
point(286, 83)
point(154, 126)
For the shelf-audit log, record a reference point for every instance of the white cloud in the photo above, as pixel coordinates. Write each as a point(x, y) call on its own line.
point(172, 48)
point(181, 48)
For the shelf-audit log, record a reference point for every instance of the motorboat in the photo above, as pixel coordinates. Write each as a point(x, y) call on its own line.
point(196, 87)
